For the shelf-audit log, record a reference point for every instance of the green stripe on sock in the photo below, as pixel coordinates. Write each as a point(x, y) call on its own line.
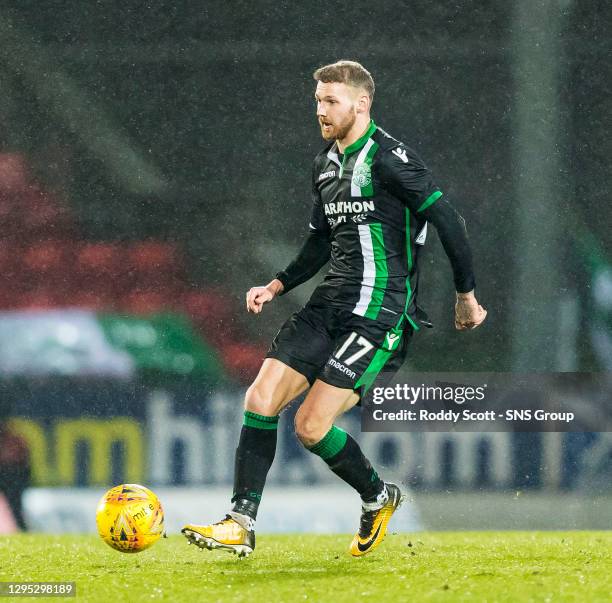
point(331, 444)
point(252, 419)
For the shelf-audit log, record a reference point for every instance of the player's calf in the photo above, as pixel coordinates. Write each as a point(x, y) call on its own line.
point(308, 430)
point(345, 458)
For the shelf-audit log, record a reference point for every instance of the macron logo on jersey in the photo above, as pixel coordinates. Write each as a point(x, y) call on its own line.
point(401, 153)
point(391, 341)
point(330, 174)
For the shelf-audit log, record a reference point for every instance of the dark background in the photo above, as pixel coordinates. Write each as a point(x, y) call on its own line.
point(215, 99)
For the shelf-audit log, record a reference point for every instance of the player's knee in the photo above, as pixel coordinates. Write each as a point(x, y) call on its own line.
point(309, 430)
point(258, 400)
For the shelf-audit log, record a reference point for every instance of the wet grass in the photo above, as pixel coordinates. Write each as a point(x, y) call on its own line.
point(426, 566)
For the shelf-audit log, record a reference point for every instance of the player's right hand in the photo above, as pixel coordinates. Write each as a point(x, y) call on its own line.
point(256, 297)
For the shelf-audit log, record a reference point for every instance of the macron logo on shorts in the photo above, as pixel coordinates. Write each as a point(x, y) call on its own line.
point(343, 369)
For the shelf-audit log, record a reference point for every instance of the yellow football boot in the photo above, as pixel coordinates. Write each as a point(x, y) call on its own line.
point(227, 534)
point(373, 525)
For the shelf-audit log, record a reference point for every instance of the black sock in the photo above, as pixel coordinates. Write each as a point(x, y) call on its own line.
point(344, 457)
point(254, 457)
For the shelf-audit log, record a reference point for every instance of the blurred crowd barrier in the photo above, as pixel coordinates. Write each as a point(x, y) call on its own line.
point(325, 509)
point(96, 432)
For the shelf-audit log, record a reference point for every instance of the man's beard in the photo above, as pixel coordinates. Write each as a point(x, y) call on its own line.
point(340, 131)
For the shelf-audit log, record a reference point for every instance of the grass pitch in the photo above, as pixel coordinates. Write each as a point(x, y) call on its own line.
point(426, 566)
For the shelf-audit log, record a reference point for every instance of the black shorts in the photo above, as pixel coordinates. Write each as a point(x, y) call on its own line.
point(340, 348)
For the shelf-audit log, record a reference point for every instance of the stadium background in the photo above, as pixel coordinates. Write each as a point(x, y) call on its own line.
point(155, 163)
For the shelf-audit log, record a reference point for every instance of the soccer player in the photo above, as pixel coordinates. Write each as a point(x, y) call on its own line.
point(373, 198)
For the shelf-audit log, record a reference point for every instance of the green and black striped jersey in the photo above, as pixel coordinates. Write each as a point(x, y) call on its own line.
point(372, 204)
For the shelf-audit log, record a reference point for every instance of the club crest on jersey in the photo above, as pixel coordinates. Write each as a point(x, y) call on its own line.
point(362, 175)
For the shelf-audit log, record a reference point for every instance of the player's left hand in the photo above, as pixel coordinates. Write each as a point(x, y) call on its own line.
point(468, 312)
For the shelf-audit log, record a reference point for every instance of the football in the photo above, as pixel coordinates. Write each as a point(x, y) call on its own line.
point(130, 518)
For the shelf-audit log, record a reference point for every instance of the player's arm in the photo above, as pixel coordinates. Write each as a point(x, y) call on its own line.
point(315, 251)
point(407, 178)
point(453, 235)
point(313, 255)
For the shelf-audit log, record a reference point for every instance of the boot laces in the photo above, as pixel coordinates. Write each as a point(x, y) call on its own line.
point(367, 522)
point(224, 521)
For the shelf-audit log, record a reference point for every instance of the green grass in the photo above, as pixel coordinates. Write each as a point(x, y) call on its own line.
point(460, 566)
